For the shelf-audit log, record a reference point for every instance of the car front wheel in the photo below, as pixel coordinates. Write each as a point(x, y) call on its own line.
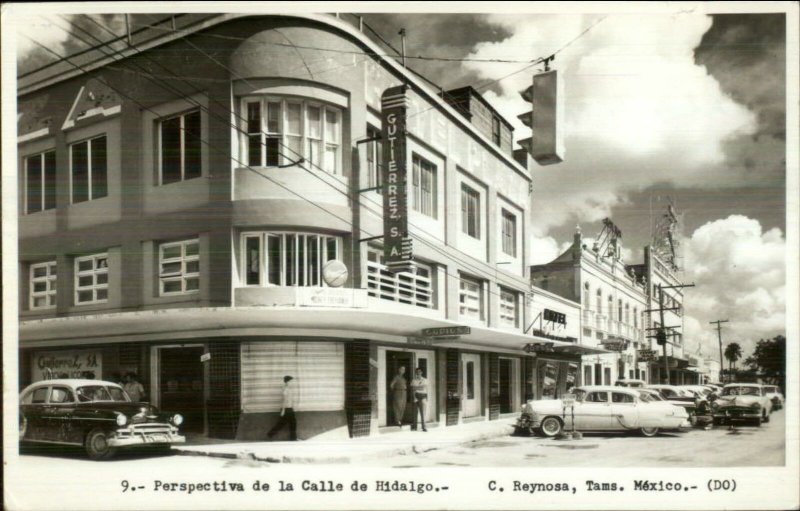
point(97, 445)
point(649, 432)
point(551, 426)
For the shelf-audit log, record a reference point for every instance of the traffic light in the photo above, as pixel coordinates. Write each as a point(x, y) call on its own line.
point(546, 96)
point(661, 337)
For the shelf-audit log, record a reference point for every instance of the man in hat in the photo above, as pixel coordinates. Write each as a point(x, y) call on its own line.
point(287, 411)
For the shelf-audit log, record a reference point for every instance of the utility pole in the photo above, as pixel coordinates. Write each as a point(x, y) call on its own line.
point(719, 336)
point(661, 334)
point(402, 34)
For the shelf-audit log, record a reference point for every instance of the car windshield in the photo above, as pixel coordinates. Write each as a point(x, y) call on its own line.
point(741, 391)
point(93, 393)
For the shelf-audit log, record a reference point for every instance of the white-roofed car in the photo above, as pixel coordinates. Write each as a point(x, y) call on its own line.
point(775, 395)
point(97, 415)
point(602, 408)
point(742, 402)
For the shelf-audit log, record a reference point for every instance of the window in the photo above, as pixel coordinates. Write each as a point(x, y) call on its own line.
point(509, 233)
point(287, 259)
point(39, 395)
point(424, 185)
point(470, 212)
point(281, 131)
point(619, 311)
point(40, 182)
point(180, 147)
point(596, 397)
point(599, 301)
point(619, 397)
point(179, 267)
point(374, 158)
point(91, 279)
point(508, 308)
point(470, 379)
point(415, 288)
point(496, 130)
point(61, 395)
point(470, 298)
point(89, 169)
point(586, 296)
point(627, 314)
point(43, 285)
point(635, 317)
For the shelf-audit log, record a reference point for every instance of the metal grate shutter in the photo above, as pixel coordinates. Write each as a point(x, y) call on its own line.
point(318, 369)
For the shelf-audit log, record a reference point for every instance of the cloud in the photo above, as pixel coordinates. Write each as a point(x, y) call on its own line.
point(640, 111)
point(44, 30)
point(739, 272)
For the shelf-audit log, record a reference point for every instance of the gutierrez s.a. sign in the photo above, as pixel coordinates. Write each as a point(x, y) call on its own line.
point(396, 242)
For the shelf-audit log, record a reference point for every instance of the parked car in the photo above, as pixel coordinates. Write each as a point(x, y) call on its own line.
point(630, 383)
point(699, 391)
point(775, 395)
point(603, 408)
point(746, 402)
point(677, 396)
point(95, 414)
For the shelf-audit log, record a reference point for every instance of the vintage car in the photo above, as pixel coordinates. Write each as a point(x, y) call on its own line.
point(775, 395)
point(677, 396)
point(745, 402)
point(95, 414)
point(624, 382)
point(603, 408)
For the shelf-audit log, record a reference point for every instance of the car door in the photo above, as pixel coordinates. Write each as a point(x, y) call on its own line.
point(32, 408)
point(624, 411)
point(61, 405)
point(594, 411)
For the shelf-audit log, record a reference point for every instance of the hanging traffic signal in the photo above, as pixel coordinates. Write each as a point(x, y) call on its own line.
point(661, 337)
point(546, 96)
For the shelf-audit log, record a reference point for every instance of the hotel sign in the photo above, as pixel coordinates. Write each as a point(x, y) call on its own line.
point(396, 242)
point(445, 331)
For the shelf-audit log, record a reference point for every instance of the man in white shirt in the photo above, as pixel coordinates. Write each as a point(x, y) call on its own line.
point(287, 411)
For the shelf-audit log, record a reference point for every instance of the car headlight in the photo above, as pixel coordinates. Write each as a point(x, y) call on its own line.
point(714, 405)
point(122, 419)
point(177, 419)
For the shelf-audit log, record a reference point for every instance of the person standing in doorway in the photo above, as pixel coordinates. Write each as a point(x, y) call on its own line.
point(133, 388)
point(419, 386)
point(287, 411)
point(398, 387)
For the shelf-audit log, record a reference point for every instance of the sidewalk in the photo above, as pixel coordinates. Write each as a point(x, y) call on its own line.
point(353, 450)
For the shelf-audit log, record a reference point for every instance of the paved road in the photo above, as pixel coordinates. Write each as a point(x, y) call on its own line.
point(719, 447)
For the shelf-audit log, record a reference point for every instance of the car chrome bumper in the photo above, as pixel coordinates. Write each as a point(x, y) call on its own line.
point(146, 439)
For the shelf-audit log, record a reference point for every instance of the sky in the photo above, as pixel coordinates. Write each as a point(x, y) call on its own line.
point(681, 107)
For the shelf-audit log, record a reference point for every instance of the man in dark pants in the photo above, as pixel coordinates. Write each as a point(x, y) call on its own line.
point(287, 412)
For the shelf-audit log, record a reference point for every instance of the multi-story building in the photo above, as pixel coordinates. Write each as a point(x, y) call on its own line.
point(612, 302)
point(201, 204)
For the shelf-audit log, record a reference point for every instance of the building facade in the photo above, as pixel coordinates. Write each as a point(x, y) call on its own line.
point(202, 206)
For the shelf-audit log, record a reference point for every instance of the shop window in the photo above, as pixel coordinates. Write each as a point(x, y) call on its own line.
point(470, 212)
point(179, 264)
point(471, 298)
point(89, 168)
point(374, 152)
point(287, 259)
point(40, 182)
point(470, 377)
point(509, 315)
point(424, 186)
point(280, 131)
point(413, 288)
point(42, 285)
point(91, 279)
point(509, 233)
point(180, 139)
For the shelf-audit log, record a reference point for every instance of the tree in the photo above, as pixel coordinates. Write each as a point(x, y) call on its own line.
point(733, 352)
point(769, 360)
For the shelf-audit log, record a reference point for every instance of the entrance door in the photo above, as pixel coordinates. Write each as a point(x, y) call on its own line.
point(181, 385)
point(472, 384)
point(506, 389)
point(395, 360)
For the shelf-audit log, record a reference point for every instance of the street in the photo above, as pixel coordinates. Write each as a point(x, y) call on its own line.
point(719, 447)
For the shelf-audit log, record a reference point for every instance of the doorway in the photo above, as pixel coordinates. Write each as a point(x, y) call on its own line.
point(395, 360)
point(471, 364)
point(181, 386)
point(506, 381)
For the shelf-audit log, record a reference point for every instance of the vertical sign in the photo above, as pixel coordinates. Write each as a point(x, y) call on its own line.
point(547, 120)
point(396, 243)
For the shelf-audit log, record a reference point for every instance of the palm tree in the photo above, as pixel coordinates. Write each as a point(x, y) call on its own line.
point(733, 352)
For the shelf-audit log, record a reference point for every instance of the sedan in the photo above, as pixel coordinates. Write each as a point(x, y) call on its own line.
point(97, 415)
point(603, 408)
point(745, 402)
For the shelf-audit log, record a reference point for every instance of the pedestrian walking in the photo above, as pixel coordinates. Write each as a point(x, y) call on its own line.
point(287, 411)
point(398, 387)
point(133, 388)
point(419, 386)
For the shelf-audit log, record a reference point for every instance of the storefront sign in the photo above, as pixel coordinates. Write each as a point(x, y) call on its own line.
point(445, 331)
point(555, 317)
point(614, 345)
point(330, 297)
point(539, 347)
point(646, 355)
point(396, 242)
point(67, 364)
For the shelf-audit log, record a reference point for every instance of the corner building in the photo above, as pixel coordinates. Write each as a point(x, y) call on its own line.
point(181, 195)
